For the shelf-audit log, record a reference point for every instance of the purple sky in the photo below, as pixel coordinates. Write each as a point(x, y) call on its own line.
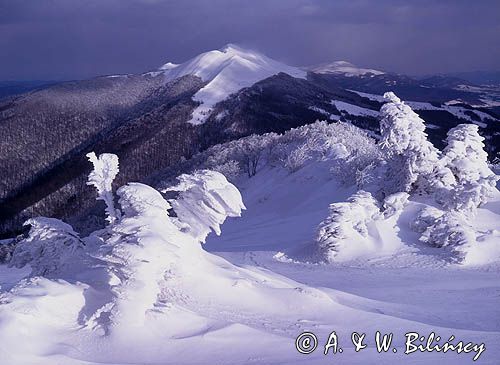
point(66, 39)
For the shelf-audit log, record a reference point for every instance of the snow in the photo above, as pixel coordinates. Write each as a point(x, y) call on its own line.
point(346, 108)
point(168, 66)
point(152, 294)
point(457, 111)
point(373, 97)
point(395, 283)
point(225, 72)
point(238, 304)
point(206, 198)
point(343, 67)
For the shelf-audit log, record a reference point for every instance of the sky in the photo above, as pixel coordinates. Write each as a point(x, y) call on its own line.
point(75, 39)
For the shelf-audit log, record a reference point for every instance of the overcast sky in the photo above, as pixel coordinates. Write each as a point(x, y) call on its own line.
point(71, 39)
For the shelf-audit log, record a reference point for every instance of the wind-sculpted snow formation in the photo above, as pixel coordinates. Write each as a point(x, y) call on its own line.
point(205, 200)
point(147, 245)
point(116, 279)
point(345, 234)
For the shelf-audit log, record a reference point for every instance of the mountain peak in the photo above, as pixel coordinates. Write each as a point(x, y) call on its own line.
point(232, 47)
point(225, 72)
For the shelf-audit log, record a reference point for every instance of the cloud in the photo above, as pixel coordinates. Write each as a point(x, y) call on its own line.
point(61, 39)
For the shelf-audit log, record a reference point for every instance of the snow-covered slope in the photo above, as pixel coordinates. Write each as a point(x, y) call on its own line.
point(481, 118)
point(150, 294)
point(343, 67)
point(226, 71)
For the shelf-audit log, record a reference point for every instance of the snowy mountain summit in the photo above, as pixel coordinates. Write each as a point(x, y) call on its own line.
point(343, 67)
point(225, 72)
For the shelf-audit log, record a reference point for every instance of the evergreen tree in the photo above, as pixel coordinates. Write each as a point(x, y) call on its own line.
point(470, 181)
point(412, 158)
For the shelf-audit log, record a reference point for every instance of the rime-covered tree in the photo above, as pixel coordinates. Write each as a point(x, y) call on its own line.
point(147, 245)
point(403, 139)
point(52, 247)
point(469, 180)
point(205, 198)
point(101, 177)
point(346, 225)
point(448, 230)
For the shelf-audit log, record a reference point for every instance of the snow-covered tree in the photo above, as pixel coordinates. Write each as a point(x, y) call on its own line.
point(205, 200)
point(345, 228)
point(6, 250)
point(395, 203)
point(468, 182)
point(450, 230)
point(101, 177)
point(425, 218)
point(251, 152)
point(143, 245)
point(445, 229)
point(230, 169)
point(52, 247)
point(403, 139)
point(147, 246)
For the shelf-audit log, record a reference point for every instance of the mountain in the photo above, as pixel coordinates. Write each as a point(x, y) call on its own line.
point(156, 119)
point(343, 68)
point(11, 88)
point(479, 77)
point(225, 72)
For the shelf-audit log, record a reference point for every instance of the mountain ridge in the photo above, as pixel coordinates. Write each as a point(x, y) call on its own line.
point(145, 120)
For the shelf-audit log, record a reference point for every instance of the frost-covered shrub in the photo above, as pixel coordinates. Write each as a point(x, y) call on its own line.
point(450, 230)
point(410, 156)
point(251, 152)
point(395, 203)
point(466, 181)
point(102, 176)
point(230, 169)
point(322, 141)
point(346, 225)
point(204, 201)
point(345, 147)
point(444, 229)
point(425, 218)
point(52, 247)
point(297, 158)
point(315, 142)
point(246, 155)
point(7, 247)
